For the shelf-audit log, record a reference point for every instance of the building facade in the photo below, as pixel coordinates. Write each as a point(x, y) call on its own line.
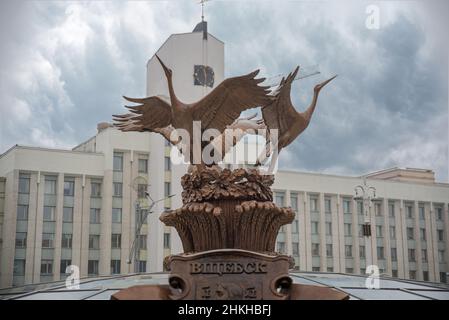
point(80, 207)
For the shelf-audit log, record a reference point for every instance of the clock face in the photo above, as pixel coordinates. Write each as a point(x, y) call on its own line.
point(203, 76)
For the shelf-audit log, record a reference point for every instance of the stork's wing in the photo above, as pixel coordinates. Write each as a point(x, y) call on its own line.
point(150, 113)
point(224, 104)
point(280, 113)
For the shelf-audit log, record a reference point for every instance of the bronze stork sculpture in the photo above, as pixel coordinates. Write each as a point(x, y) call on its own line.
point(280, 114)
point(217, 110)
point(228, 223)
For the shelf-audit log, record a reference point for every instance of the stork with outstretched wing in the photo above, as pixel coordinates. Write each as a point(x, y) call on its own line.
point(280, 114)
point(217, 110)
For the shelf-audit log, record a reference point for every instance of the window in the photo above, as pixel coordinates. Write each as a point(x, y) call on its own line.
point(349, 270)
point(327, 205)
point(67, 214)
point(391, 210)
point(143, 242)
point(141, 189)
point(330, 269)
point(95, 189)
point(115, 266)
point(143, 165)
point(379, 231)
point(295, 248)
point(329, 250)
point(410, 234)
point(142, 266)
point(281, 247)
point(279, 199)
point(24, 184)
point(424, 255)
point(316, 269)
point(313, 204)
point(347, 206)
point(411, 255)
point(64, 265)
point(94, 241)
point(95, 215)
point(46, 267)
point(295, 226)
point(19, 267)
point(21, 239)
point(409, 210)
point(140, 217)
point(439, 213)
point(378, 209)
point(440, 235)
point(167, 189)
point(315, 249)
point(360, 230)
point(362, 252)
point(118, 189)
point(314, 225)
point(66, 240)
point(92, 267)
point(380, 253)
point(360, 207)
point(166, 240)
point(392, 232)
point(425, 275)
point(394, 273)
point(443, 277)
point(69, 188)
point(412, 274)
point(421, 213)
point(329, 228)
point(167, 163)
point(422, 234)
point(116, 215)
point(348, 251)
point(348, 228)
point(50, 185)
point(48, 240)
point(362, 270)
point(49, 213)
point(22, 212)
point(116, 241)
point(441, 256)
point(118, 161)
point(394, 254)
point(294, 201)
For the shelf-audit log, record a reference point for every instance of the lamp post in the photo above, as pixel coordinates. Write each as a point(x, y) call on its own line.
point(367, 194)
point(141, 217)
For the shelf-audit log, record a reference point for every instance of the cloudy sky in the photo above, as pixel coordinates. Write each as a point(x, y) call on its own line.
point(65, 65)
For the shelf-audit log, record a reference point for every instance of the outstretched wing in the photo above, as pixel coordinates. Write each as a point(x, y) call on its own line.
point(149, 114)
point(280, 113)
point(224, 104)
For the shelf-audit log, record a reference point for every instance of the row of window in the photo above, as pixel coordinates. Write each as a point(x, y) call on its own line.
point(118, 163)
point(92, 267)
point(379, 230)
point(362, 253)
point(48, 240)
point(314, 207)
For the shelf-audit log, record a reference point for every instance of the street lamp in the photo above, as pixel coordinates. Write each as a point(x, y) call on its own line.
point(366, 194)
point(135, 247)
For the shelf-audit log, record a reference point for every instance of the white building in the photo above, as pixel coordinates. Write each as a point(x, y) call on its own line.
point(63, 207)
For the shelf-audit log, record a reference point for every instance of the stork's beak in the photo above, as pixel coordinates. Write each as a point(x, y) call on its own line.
point(322, 84)
point(327, 81)
point(166, 69)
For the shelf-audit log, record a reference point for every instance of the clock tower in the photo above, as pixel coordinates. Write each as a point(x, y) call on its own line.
point(197, 61)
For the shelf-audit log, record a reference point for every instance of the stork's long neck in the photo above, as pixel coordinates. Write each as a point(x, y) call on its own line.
point(309, 111)
point(173, 99)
